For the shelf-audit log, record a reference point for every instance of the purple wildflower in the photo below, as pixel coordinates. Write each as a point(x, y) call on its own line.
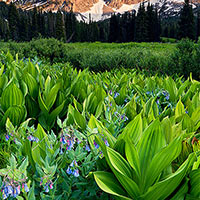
point(69, 171)
point(96, 145)
point(106, 143)
point(51, 186)
point(87, 148)
point(76, 173)
point(26, 188)
point(46, 187)
point(116, 94)
point(7, 137)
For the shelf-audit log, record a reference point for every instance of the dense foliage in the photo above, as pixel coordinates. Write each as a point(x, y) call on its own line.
point(137, 134)
point(151, 58)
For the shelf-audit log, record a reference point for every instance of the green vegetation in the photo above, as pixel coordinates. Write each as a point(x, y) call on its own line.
point(151, 58)
point(119, 134)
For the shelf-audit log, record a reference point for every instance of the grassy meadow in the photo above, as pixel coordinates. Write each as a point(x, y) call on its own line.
point(98, 121)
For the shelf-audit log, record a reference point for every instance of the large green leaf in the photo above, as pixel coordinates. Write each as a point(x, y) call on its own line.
point(133, 159)
point(119, 163)
point(164, 188)
point(195, 183)
point(133, 130)
point(32, 85)
point(79, 119)
point(16, 114)
point(51, 96)
point(151, 142)
point(162, 160)
point(11, 96)
point(108, 183)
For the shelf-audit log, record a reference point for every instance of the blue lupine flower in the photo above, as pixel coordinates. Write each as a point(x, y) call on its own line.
point(157, 102)
point(36, 139)
point(16, 191)
point(69, 145)
point(87, 148)
point(106, 143)
point(110, 92)
point(110, 104)
point(31, 138)
point(51, 186)
point(116, 94)
point(115, 113)
point(124, 117)
point(164, 93)
point(96, 145)
point(26, 188)
point(126, 100)
point(46, 188)
point(61, 151)
point(72, 169)
point(76, 173)
point(167, 97)
point(69, 171)
point(186, 112)
point(148, 92)
point(9, 189)
point(62, 139)
point(7, 137)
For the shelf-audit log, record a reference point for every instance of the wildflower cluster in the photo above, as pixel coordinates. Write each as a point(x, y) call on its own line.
point(9, 135)
point(32, 138)
point(11, 188)
point(67, 140)
point(122, 117)
point(46, 183)
point(97, 146)
point(73, 169)
point(116, 94)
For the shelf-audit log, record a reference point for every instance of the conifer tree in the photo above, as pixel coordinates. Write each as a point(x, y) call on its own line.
point(151, 23)
point(34, 26)
point(23, 26)
point(141, 25)
point(186, 22)
point(198, 26)
point(113, 32)
point(59, 32)
point(13, 19)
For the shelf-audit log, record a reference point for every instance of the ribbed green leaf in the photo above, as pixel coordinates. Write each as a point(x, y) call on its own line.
point(119, 163)
point(108, 183)
point(195, 183)
point(79, 119)
point(42, 105)
point(181, 193)
point(32, 85)
point(163, 189)
point(16, 114)
point(133, 130)
point(11, 96)
point(162, 160)
point(51, 96)
point(151, 142)
point(179, 109)
point(133, 159)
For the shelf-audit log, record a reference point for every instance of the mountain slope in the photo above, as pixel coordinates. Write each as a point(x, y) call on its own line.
point(100, 9)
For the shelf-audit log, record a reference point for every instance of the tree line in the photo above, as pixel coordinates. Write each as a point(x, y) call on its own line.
point(145, 26)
